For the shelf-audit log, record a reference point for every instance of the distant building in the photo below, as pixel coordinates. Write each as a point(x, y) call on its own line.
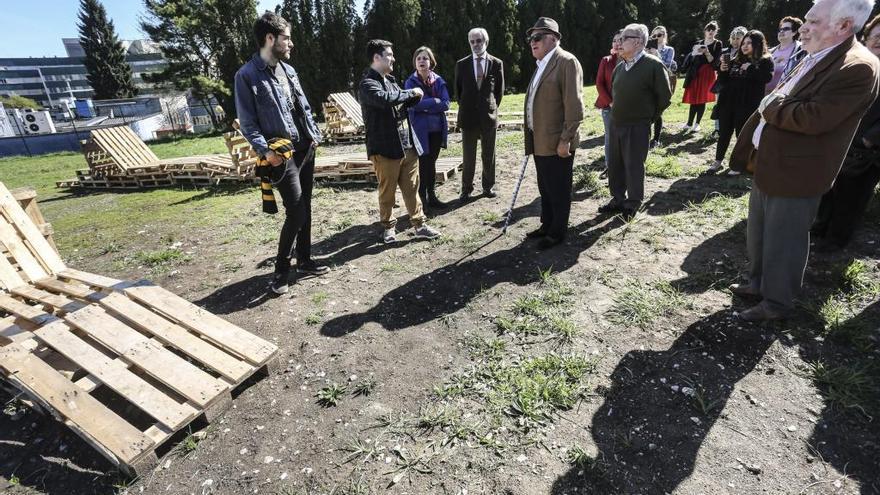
point(49, 79)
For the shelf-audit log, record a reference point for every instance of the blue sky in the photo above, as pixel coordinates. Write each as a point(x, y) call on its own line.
point(34, 28)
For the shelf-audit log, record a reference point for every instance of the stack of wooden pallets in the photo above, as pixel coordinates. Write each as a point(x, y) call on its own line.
point(124, 364)
point(118, 159)
point(343, 117)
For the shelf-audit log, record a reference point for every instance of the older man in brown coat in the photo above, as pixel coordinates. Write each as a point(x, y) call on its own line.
point(795, 143)
point(554, 110)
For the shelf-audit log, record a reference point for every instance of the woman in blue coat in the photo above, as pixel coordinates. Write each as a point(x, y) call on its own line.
point(428, 120)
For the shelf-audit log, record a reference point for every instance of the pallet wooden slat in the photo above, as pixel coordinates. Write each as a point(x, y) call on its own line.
point(117, 376)
point(43, 251)
point(212, 327)
point(170, 369)
point(89, 418)
point(177, 336)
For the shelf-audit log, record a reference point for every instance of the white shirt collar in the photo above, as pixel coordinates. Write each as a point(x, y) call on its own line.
point(634, 59)
point(547, 57)
point(816, 57)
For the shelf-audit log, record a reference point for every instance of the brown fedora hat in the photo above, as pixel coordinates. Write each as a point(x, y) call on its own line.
point(546, 24)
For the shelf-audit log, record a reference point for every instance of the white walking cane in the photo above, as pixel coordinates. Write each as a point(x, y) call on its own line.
point(522, 174)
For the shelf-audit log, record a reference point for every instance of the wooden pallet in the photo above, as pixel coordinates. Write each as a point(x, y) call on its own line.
point(118, 159)
point(447, 168)
point(124, 364)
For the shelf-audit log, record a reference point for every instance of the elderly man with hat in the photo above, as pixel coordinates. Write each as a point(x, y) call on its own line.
point(554, 110)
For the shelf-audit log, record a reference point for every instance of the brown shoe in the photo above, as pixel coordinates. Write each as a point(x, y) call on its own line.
point(745, 291)
point(761, 312)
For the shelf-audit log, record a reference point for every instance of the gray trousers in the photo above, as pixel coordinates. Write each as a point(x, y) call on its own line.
point(778, 239)
point(469, 138)
point(626, 171)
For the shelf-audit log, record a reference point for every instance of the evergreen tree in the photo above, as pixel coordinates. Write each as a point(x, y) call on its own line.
point(108, 72)
point(395, 21)
point(204, 42)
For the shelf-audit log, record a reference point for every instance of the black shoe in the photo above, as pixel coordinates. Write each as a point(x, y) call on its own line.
point(279, 283)
point(464, 197)
point(611, 207)
point(537, 233)
point(628, 213)
point(548, 242)
point(434, 201)
point(489, 193)
point(311, 268)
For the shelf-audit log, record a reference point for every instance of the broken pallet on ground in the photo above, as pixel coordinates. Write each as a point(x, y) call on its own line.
point(124, 364)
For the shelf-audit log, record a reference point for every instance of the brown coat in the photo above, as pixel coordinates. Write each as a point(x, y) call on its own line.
point(558, 108)
point(808, 132)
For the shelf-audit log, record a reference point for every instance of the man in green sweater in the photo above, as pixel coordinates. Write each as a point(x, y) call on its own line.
point(640, 92)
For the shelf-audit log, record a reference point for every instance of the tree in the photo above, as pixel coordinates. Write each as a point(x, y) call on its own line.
point(108, 72)
point(395, 21)
point(15, 101)
point(204, 42)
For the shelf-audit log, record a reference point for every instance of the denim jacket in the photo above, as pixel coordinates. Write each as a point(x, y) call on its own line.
point(261, 114)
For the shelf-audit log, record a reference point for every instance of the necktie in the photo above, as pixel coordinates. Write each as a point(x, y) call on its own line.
point(480, 73)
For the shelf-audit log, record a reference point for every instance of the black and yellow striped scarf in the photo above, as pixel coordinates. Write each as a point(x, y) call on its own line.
point(283, 148)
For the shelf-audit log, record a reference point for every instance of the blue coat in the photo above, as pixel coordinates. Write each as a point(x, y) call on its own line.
point(429, 113)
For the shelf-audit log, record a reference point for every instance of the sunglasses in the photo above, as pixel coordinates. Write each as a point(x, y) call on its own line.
point(536, 37)
point(782, 30)
point(658, 35)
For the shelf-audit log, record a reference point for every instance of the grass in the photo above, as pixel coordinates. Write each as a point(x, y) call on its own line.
point(331, 395)
point(663, 167)
point(639, 304)
point(545, 312)
point(315, 318)
point(849, 386)
point(588, 181)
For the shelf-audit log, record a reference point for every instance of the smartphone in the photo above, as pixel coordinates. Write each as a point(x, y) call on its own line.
point(652, 43)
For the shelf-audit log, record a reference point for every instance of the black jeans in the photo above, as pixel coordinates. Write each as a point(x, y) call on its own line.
point(428, 164)
point(554, 185)
point(843, 207)
point(294, 182)
point(729, 123)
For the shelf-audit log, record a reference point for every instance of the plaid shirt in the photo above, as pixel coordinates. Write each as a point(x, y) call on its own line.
point(383, 105)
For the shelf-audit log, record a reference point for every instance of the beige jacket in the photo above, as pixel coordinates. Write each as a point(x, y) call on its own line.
point(558, 107)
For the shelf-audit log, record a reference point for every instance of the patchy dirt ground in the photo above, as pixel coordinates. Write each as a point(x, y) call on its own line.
point(477, 364)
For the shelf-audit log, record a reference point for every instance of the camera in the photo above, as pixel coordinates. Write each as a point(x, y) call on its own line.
point(652, 43)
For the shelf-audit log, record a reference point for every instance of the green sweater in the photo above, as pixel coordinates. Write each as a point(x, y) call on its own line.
point(640, 94)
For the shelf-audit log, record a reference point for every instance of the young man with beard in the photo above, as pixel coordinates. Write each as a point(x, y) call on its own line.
point(271, 105)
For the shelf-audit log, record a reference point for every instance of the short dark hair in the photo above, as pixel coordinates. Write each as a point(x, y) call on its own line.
point(377, 47)
point(795, 25)
point(712, 26)
point(268, 23)
point(428, 52)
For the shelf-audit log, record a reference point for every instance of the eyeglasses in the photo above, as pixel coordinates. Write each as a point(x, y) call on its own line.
point(536, 37)
point(624, 38)
point(658, 35)
point(784, 29)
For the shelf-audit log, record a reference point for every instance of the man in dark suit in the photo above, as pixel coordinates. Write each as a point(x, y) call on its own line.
point(795, 143)
point(479, 87)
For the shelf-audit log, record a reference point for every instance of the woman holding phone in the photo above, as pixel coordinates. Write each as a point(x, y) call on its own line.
point(700, 66)
point(742, 80)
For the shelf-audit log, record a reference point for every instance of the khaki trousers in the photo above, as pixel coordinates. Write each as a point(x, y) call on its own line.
point(393, 173)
